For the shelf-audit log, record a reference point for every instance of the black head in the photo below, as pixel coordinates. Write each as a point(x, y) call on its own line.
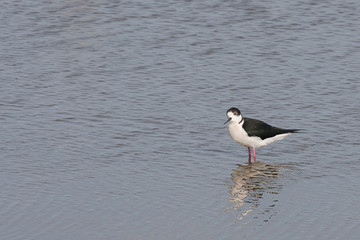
point(234, 110)
point(233, 114)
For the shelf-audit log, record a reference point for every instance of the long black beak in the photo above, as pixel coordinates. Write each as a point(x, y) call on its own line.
point(227, 121)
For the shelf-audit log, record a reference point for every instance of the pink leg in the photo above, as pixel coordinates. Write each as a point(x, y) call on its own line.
point(254, 155)
point(249, 154)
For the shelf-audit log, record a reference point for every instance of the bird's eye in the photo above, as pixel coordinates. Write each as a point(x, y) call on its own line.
point(235, 113)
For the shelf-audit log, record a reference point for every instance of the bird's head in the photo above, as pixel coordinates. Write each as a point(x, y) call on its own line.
point(234, 115)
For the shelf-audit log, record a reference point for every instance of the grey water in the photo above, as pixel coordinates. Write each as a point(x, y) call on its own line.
point(111, 119)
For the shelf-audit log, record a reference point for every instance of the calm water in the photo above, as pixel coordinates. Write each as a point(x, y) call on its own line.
point(112, 119)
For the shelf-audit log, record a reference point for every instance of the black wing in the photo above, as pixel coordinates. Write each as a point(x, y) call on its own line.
point(263, 130)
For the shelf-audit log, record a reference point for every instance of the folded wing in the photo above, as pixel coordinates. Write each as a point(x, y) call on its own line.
point(263, 130)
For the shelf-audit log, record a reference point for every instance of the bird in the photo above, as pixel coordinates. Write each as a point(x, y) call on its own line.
point(252, 132)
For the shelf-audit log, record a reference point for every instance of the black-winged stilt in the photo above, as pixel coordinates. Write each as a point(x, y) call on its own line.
point(253, 133)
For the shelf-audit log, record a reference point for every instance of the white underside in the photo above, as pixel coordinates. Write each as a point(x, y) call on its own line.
point(239, 135)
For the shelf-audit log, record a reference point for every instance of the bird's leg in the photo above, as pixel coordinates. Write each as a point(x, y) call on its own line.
point(254, 155)
point(249, 154)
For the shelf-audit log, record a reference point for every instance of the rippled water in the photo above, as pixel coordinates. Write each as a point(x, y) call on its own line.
point(112, 119)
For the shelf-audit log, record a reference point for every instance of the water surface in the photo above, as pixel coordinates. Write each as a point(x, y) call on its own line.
point(112, 119)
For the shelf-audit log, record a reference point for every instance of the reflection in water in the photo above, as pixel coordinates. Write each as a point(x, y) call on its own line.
point(252, 183)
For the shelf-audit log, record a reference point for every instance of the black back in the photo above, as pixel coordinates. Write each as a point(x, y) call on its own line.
point(263, 130)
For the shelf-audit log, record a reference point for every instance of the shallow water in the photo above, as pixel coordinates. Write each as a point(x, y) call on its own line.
point(112, 120)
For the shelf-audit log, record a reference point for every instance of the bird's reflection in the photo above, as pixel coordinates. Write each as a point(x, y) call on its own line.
point(251, 183)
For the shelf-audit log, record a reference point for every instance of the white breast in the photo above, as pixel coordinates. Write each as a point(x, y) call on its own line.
point(239, 135)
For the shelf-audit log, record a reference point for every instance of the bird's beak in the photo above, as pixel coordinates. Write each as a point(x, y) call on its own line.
point(227, 121)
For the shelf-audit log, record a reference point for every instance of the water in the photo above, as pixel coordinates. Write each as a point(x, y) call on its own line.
point(112, 119)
